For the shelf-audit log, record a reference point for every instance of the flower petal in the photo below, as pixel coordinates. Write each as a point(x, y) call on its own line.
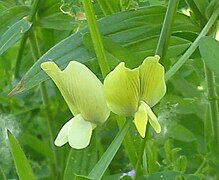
point(141, 119)
point(59, 79)
point(62, 137)
point(152, 118)
point(81, 89)
point(152, 80)
point(79, 132)
point(121, 88)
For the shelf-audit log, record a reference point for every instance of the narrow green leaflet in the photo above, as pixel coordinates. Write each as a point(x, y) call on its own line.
point(209, 51)
point(11, 16)
point(13, 34)
point(22, 165)
point(128, 29)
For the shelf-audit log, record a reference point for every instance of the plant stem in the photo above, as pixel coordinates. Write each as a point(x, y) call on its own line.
point(166, 31)
point(20, 54)
point(196, 11)
point(193, 47)
point(36, 55)
point(128, 141)
point(24, 38)
point(141, 153)
point(96, 38)
point(34, 10)
point(201, 166)
point(213, 102)
point(101, 166)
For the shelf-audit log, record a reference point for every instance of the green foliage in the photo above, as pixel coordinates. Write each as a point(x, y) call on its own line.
point(14, 33)
point(22, 165)
point(130, 34)
point(208, 49)
point(130, 30)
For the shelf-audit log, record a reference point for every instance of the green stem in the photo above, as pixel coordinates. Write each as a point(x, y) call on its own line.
point(20, 54)
point(193, 47)
point(96, 38)
point(196, 11)
point(34, 10)
point(141, 153)
point(36, 55)
point(24, 38)
point(201, 166)
point(166, 31)
point(128, 142)
point(101, 166)
point(213, 102)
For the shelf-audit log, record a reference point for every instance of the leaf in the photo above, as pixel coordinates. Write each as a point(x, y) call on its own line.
point(21, 163)
point(13, 34)
point(51, 17)
point(11, 16)
point(127, 29)
point(115, 52)
point(209, 51)
point(179, 132)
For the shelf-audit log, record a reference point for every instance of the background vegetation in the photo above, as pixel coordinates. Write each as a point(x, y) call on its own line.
point(182, 32)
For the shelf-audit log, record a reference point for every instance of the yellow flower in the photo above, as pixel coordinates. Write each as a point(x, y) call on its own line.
point(133, 92)
point(83, 93)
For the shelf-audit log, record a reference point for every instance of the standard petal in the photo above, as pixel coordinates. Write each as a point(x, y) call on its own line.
point(79, 132)
point(141, 120)
point(62, 137)
point(121, 88)
point(152, 118)
point(57, 76)
point(83, 92)
point(152, 81)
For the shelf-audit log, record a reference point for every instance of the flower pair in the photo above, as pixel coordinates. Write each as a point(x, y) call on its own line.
point(125, 92)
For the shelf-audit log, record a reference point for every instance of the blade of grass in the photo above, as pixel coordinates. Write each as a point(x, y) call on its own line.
point(21, 163)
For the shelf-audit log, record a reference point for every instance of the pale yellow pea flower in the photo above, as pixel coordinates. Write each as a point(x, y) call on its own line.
point(83, 93)
point(133, 92)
